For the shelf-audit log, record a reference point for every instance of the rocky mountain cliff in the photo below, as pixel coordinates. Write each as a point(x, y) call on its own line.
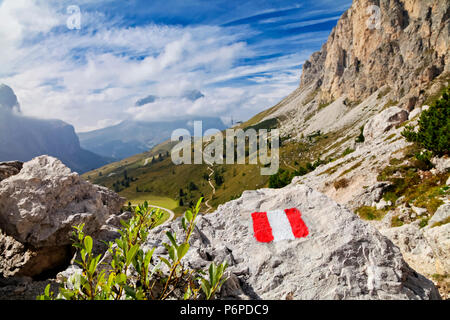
point(406, 51)
point(22, 138)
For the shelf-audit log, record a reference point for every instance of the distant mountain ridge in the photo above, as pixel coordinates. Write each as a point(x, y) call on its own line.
point(131, 137)
point(23, 138)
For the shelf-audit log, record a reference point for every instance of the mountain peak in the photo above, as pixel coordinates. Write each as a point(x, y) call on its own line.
point(8, 99)
point(377, 43)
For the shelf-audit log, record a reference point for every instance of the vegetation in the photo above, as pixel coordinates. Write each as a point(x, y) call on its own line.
point(281, 179)
point(370, 213)
point(360, 138)
point(340, 184)
point(132, 272)
point(433, 133)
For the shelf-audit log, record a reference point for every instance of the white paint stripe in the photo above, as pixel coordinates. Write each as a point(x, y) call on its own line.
point(281, 227)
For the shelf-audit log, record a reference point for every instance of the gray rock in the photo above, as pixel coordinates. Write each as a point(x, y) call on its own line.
point(39, 205)
point(8, 169)
point(384, 121)
point(442, 164)
point(441, 214)
point(343, 257)
point(370, 195)
point(439, 240)
point(414, 113)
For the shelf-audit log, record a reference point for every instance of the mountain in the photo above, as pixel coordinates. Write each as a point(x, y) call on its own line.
point(341, 133)
point(132, 137)
point(23, 138)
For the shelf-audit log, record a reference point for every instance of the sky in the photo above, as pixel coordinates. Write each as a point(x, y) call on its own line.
point(155, 60)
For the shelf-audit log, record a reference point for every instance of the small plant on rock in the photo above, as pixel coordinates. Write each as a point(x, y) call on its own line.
point(132, 272)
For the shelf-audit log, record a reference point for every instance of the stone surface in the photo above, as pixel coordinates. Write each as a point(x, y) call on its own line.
point(410, 44)
point(40, 205)
point(10, 168)
point(343, 257)
point(414, 247)
point(414, 113)
point(384, 121)
point(441, 214)
point(439, 240)
point(17, 259)
point(441, 164)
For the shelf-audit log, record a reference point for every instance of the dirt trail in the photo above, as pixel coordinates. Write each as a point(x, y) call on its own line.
point(210, 165)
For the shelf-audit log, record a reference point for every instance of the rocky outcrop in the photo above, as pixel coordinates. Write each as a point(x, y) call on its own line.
point(8, 169)
point(384, 121)
point(410, 44)
point(342, 257)
point(38, 208)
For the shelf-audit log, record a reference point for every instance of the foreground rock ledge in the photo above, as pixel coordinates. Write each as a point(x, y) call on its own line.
point(342, 258)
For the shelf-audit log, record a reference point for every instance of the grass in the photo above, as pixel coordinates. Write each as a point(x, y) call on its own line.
point(153, 200)
point(441, 223)
point(396, 222)
point(356, 165)
point(370, 213)
point(389, 104)
point(341, 184)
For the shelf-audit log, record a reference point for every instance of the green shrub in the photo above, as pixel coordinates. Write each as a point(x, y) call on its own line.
point(361, 138)
point(433, 133)
point(281, 179)
point(133, 273)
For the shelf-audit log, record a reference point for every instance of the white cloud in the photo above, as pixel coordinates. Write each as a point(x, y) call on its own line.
point(93, 79)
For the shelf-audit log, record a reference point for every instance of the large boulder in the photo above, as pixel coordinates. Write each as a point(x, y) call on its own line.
point(384, 121)
point(40, 204)
point(343, 257)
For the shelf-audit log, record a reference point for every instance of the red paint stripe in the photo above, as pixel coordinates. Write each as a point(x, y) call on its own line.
point(299, 228)
point(261, 227)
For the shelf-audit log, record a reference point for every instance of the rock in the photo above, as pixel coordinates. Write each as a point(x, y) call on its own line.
point(384, 121)
point(414, 113)
point(405, 52)
point(425, 108)
point(39, 205)
point(414, 247)
point(8, 169)
point(419, 211)
point(383, 204)
point(442, 164)
point(370, 195)
point(343, 257)
point(17, 259)
point(441, 214)
point(439, 240)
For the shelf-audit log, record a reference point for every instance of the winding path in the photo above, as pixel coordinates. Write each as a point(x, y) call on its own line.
point(171, 214)
point(210, 165)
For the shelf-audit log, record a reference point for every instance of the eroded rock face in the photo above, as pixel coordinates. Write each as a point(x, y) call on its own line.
point(410, 43)
point(343, 257)
point(39, 205)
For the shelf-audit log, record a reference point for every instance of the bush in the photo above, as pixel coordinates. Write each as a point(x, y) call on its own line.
point(433, 133)
point(361, 138)
point(132, 272)
point(281, 179)
point(340, 184)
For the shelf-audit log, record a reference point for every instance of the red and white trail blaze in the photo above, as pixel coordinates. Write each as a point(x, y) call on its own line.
point(279, 225)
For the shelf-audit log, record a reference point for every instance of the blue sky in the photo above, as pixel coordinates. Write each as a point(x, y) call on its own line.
point(240, 56)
